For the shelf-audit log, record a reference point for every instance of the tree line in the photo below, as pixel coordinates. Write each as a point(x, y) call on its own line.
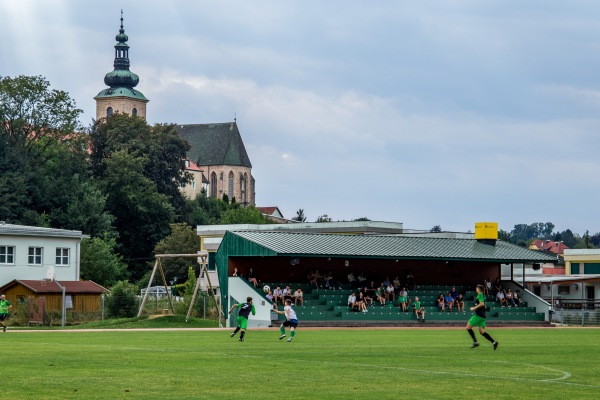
point(524, 234)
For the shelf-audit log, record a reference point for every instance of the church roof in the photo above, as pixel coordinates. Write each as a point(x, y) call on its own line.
point(215, 144)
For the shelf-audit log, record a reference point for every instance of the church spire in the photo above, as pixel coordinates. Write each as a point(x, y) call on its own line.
point(121, 76)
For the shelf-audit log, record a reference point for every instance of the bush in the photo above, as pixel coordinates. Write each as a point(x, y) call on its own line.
point(123, 300)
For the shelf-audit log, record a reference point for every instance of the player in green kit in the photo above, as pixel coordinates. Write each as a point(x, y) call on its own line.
point(242, 321)
point(478, 320)
point(4, 307)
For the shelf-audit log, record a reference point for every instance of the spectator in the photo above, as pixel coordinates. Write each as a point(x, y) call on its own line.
point(487, 285)
point(454, 293)
point(517, 297)
point(390, 292)
point(396, 283)
point(287, 293)
point(235, 272)
point(311, 278)
point(380, 296)
point(368, 299)
point(509, 298)
point(361, 278)
point(460, 303)
point(361, 302)
point(317, 277)
point(439, 302)
point(269, 295)
point(448, 302)
point(386, 281)
point(251, 278)
point(419, 309)
point(497, 286)
point(351, 301)
point(351, 277)
point(403, 299)
point(328, 278)
point(500, 298)
point(298, 297)
point(277, 295)
point(410, 280)
point(372, 288)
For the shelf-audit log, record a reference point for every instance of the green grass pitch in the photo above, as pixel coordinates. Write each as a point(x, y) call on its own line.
point(332, 364)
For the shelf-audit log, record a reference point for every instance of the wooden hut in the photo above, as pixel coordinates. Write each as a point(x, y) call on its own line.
point(81, 296)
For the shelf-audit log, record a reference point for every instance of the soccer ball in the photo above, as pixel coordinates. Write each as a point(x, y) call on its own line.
point(266, 289)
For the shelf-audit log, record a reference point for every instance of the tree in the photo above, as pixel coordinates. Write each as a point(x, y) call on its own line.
point(142, 214)
point(246, 215)
point(362, 219)
point(323, 218)
point(35, 117)
point(435, 229)
point(567, 237)
point(122, 301)
point(182, 240)
point(100, 263)
point(299, 216)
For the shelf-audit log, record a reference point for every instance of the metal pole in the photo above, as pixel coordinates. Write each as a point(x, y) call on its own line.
point(523, 274)
point(102, 306)
point(582, 304)
point(64, 304)
point(204, 314)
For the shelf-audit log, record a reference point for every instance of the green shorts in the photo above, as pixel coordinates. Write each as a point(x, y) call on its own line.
point(477, 321)
point(242, 322)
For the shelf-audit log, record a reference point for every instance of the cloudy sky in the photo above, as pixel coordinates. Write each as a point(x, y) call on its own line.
point(421, 112)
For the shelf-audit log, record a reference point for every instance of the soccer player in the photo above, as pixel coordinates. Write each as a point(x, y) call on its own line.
point(4, 307)
point(290, 320)
point(478, 320)
point(419, 309)
point(242, 321)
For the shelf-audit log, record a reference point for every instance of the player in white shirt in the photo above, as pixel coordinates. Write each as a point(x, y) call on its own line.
point(290, 320)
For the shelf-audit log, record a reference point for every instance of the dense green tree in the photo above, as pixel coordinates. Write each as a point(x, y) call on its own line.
point(299, 216)
point(436, 229)
point(142, 214)
point(100, 263)
point(182, 240)
point(323, 218)
point(122, 302)
point(244, 215)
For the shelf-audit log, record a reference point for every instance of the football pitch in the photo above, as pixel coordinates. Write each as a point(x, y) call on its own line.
point(547, 363)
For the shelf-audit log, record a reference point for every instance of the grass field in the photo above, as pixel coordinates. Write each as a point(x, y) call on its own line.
point(334, 364)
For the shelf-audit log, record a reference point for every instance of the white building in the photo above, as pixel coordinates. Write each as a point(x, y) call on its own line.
point(31, 252)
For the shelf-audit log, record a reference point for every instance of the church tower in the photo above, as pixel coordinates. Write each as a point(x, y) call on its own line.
point(121, 95)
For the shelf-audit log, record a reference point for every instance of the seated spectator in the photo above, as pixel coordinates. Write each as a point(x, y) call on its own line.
point(500, 298)
point(287, 293)
point(361, 278)
point(509, 297)
point(269, 295)
point(372, 288)
point(251, 278)
point(311, 278)
point(390, 292)
point(410, 280)
point(368, 299)
point(439, 302)
point(298, 297)
point(317, 277)
point(361, 302)
point(380, 296)
point(235, 272)
point(419, 309)
point(453, 293)
point(517, 297)
point(459, 303)
point(497, 286)
point(351, 301)
point(386, 281)
point(487, 285)
point(448, 302)
point(327, 279)
point(396, 283)
point(351, 277)
point(403, 299)
point(277, 295)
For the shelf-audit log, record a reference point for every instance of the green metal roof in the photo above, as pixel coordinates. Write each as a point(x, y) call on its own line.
point(386, 246)
point(121, 92)
point(215, 144)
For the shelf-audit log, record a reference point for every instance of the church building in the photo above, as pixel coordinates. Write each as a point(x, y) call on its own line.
point(217, 161)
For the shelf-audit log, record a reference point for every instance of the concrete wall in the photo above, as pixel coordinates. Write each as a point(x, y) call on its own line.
point(21, 269)
point(240, 290)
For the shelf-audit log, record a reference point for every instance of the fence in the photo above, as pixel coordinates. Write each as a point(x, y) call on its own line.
point(576, 312)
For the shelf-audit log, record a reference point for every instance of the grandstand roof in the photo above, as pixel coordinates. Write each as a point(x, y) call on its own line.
point(378, 246)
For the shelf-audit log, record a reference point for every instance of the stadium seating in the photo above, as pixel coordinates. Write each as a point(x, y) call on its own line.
point(323, 306)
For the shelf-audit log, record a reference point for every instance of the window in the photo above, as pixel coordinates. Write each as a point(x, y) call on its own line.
point(7, 255)
point(194, 185)
point(35, 256)
point(213, 185)
point(134, 112)
point(564, 289)
point(109, 112)
point(230, 186)
point(62, 257)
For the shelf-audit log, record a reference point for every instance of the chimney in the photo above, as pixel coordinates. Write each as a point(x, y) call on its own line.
point(486, 232)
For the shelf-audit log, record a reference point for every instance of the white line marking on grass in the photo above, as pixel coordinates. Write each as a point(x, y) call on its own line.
point(559, 380)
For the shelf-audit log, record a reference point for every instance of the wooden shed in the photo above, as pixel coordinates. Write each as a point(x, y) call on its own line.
point(81, 296)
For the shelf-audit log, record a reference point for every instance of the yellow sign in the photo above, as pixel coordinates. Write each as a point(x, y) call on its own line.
point(486, 230)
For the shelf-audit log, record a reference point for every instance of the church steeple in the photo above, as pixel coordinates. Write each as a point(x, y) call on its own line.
point(121, 97)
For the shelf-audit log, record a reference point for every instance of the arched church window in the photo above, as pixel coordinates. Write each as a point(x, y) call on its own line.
point(109, 112)
point(134, 112)
point(230, 188)
point(213, 185)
